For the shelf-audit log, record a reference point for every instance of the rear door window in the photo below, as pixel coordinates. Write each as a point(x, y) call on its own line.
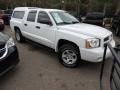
point(32, 15)
point(18, 14)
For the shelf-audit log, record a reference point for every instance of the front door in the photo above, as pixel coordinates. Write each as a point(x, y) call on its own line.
point(45, 30)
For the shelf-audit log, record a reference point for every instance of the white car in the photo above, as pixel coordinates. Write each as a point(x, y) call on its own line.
point(57, 29)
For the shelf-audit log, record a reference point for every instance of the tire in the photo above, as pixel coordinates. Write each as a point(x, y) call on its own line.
point(117, 31)
point(70, 61)
point(19, 36)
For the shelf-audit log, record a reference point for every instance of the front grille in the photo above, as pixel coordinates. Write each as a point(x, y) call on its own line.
point(2, 52)
point(106, 39)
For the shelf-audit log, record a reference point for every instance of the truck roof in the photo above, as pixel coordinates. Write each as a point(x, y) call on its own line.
point(34, 8)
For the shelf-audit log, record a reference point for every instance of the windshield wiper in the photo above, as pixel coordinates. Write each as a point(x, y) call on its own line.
point(74, 22)
point(64, 23)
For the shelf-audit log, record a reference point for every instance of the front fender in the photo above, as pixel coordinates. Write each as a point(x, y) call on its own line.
point(78, 39)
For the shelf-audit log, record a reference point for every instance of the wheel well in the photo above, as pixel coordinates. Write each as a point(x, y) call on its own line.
point(16, 28)
point(62, 42)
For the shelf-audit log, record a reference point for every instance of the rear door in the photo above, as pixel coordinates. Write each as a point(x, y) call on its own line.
point(29, 25)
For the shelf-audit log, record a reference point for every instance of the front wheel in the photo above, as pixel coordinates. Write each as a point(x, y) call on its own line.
point(69, 55)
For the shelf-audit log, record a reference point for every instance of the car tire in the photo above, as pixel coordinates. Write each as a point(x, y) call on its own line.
point(117, 31)
point(69, 55)
point(19, 36)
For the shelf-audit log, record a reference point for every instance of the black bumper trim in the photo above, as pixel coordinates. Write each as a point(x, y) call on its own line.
point(10, 61)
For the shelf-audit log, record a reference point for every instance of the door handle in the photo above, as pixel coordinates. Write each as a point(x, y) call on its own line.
point(25, 24)
point(37, 27)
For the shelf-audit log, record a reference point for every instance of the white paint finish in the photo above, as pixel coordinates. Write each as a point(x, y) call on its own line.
point(93, 54)
point(50, 35)
point(87, 29)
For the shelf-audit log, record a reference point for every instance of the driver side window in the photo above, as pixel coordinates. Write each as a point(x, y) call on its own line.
point(43, 18)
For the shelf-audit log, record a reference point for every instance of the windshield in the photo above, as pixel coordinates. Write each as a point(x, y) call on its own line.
point(62, 18)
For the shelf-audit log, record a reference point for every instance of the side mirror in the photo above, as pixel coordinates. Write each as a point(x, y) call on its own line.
point(48, 22)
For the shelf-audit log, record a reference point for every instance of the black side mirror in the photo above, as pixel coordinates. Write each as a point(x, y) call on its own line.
point(48, 22)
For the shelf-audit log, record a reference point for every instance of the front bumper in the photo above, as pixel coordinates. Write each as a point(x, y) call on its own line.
point(96, 54)
point(9, 61)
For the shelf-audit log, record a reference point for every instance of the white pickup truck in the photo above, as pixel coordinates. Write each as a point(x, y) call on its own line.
point(57, 29)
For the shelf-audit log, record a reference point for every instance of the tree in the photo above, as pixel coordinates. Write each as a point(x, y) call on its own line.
point(2, 5)
point(79, 6)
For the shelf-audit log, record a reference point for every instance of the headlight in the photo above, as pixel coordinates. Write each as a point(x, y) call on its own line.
point(92, 43)
point(10, 43)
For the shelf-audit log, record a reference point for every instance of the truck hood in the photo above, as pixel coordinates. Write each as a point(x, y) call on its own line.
point(87, 29)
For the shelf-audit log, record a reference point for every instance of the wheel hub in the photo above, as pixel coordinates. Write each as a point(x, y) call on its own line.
point(69, 57)
point(17, 36)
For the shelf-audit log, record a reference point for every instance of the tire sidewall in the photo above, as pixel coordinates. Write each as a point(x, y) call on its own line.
point(68, 47)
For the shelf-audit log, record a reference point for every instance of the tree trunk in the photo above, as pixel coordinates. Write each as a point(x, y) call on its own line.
point(104, 10)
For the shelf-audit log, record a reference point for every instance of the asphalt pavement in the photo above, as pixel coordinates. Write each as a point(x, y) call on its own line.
point(39, 69)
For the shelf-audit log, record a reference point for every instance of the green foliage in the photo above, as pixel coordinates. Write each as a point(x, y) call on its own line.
point(79, 6)
point(2, 5)
point(95, 6)
point(105, 1)
point(83, 9)
point(84, 1)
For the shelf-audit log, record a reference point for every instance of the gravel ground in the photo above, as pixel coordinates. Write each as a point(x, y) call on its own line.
point(39, 69)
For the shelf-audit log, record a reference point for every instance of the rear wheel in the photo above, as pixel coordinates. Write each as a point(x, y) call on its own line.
point(69, 55)
point(19, 36)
